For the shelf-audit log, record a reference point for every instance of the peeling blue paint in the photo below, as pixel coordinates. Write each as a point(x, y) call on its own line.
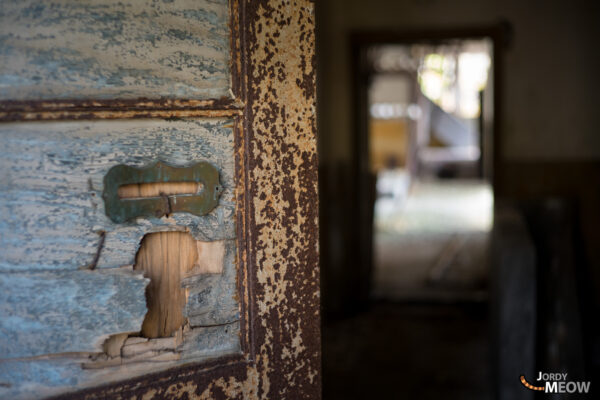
point(82, 49)
point(51, 183)
point(64, 311)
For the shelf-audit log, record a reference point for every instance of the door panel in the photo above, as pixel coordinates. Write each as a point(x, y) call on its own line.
point(74, 49)
point(69, 282)
point(53, 181)
point(244, 277)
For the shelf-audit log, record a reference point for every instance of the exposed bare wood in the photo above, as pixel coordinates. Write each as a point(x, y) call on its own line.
point(151, 356)
point(157, 189)
point(179, 337)
point(112, 345)
point(135, 340)
point(165, 258)
point(131, 350)
point(210, 258)
point(31, 167)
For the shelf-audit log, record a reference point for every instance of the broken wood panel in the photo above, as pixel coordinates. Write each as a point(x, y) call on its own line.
point(136, 347)
point(128, 357)
point(47, 312)
point(51, 183)
point(40, 378)
point(165, 257)
point(77, 49)
point(178, 280)
point(211, 298)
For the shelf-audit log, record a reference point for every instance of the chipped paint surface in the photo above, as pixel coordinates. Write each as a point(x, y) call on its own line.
point(63, 288)
point(64, 49)
point(276, 227)
point(279, 205)
point(58, 312)
point(51, 184)
point(284, 210)
point(41, 110)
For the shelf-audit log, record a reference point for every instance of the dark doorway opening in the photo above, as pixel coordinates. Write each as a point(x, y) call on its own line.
point(424, 171)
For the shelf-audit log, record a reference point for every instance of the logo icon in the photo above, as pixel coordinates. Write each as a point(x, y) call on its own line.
point(529, 385)
point(556, 383)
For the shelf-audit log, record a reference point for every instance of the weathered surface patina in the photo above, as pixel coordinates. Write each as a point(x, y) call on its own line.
point(66, 282)
point(278, 206)
point(77, 109)
point(74, 49)
point(51, 184)
point(46, 312)
point(121, 210)
point(276, 217)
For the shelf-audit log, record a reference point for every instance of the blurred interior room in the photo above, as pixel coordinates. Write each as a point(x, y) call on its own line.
point(459, 168)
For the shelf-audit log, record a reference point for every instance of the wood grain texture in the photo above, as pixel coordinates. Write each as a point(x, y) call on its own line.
point(51, 182)
point(278, 160)
point(51, 225)
point(157, 189)
point(183, 286)
point(67, 311)
point(40, 378)
point(211, 341)
point(165, 258)
point(72, 49)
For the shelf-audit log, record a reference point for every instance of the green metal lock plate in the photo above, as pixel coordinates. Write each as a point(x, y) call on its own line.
point(124, 209)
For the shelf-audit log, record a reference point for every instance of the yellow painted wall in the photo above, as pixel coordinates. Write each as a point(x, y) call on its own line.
point(388, 140)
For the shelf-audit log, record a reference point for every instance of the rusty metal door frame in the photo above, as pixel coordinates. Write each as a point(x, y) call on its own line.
point(273, 82)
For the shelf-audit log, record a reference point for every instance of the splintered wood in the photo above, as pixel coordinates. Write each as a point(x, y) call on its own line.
point(165, 258)
point(157, 189)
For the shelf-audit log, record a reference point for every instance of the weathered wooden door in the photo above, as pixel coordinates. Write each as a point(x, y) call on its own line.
point(158, 204)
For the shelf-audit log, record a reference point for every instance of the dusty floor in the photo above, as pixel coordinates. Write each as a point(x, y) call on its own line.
point(432, 244)
point(426, 334)
point(404, 351)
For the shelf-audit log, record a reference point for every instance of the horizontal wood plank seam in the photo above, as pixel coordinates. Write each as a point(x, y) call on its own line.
point(54, 110)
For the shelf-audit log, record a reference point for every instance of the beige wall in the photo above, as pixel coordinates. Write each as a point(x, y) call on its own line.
point(388, 141)
point(550, 68)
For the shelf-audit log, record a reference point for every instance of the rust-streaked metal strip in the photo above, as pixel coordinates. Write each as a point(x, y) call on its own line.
point(116, 114)
point(11, 111)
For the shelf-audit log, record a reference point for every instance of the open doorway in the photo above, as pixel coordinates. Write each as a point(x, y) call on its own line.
point(429, 141)
point(424, 160)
